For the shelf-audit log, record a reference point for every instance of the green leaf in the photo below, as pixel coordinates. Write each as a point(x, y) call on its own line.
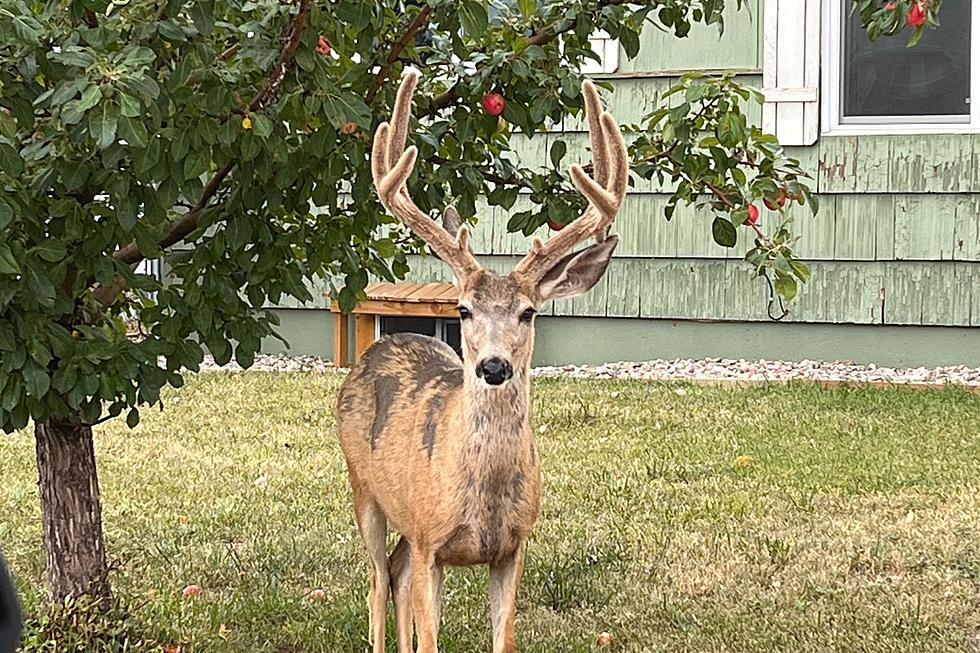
point(786, 287)
point(630, 41)
point(8, 126)
point(558, 149)
point(73, 174)
point(724, 232)
point(129, 105)
point(8, 264)
point(90, 98)
point(36, 379)
point(346, 107)
point(244, 356)
point(133, 418)
point(10, 160)
point(916, 35)
point(731, 129)
point(50, 251)
point(197, 163)
point(25, 31)
point(516, 113)
point(527, 7)
point(180, 145)
point(151, 155)
point(40, 286)
point(262, 126)
point(102, 125)
point(133, 132)
point(473, 17)
point(801, 269)
point(220, 349)
point(202, 13)
point(354, 13)
point(72, 55)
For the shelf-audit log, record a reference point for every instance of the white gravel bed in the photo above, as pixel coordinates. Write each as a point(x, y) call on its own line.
point(705, 370)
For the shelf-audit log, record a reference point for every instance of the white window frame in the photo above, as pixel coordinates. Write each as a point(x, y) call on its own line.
point(834, 13)
point(607, 48)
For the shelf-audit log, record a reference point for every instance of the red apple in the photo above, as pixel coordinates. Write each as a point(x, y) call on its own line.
point(494, 103)
point(891, 6)
point(604, 639)
point(349, 128)
point(916, 16)
point(555, 226)
point(192, 591)
point(753, 214)
point(315, 595)
point(324, 46)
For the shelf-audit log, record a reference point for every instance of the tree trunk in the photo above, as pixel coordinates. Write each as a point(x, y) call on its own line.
point(72, 511)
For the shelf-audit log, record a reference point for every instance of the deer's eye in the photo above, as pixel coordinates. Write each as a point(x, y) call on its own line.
point(528, 315)
point(464, 313)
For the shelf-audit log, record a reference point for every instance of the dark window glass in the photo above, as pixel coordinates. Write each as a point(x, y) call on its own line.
point(397, 324)
point(886, 78)
point(447, 330)
point(452, 336)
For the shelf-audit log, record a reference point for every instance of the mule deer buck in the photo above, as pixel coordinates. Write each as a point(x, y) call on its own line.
point(443, 449)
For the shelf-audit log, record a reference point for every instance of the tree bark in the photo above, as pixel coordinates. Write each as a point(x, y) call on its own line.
point(72, 511)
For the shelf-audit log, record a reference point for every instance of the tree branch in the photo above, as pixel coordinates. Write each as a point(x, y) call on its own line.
point(401, 44)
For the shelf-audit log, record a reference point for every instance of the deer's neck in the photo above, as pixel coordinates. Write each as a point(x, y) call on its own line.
point(498, 419)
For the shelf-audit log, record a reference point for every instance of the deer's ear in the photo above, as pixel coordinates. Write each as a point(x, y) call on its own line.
point(451, 221)
point(577, 272)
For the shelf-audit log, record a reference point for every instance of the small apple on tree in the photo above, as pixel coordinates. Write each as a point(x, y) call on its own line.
point(494, 103)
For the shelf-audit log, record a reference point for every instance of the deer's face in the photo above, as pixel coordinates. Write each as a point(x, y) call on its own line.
point(498, 312)
point(497, 325)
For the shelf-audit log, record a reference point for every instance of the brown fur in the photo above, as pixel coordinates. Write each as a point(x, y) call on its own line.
point(432, 448)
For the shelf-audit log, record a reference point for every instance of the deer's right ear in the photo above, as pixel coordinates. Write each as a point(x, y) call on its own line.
point(577, 272)
point(451, 221)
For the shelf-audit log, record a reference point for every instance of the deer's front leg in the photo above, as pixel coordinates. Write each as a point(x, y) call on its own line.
point(426, 594)
point(505, 576)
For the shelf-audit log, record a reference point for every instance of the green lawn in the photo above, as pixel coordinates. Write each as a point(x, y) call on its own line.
point(855, 525)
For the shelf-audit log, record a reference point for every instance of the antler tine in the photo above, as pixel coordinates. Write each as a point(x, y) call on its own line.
point(605, 191)
point(391, 166)
point(401, 116)
point(593, 111)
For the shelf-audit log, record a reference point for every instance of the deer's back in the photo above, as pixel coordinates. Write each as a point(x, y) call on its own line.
point(400, 397)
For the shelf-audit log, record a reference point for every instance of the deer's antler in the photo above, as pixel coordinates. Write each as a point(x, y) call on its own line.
point(605, 192)
point(391, 165)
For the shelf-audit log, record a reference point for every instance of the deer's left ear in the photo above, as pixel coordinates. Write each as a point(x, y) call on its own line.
point(577, 272)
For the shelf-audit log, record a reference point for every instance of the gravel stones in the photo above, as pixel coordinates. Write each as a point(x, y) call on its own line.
point(695, 370)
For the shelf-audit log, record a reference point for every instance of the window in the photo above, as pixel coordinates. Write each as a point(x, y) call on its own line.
point(886, 87)
point(608, 50)
point(443, 329)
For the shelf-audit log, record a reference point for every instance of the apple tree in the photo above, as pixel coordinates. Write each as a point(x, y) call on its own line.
point(202, 132)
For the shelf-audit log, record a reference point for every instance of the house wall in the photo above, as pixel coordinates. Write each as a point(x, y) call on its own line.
point(895, 248)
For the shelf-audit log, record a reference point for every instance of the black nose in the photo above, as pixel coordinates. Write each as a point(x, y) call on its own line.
point(494, 370)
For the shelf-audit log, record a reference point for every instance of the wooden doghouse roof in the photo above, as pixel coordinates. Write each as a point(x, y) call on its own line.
point(420, 299)
point(418, 293)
